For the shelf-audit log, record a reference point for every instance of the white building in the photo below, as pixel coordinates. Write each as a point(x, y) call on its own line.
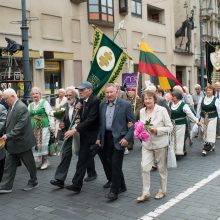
point(61, 34)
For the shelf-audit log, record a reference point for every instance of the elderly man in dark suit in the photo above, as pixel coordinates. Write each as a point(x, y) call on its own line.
point(114, 135)
point(63, 167)
point(19, 139)
point(3, 114)
point(88, 130)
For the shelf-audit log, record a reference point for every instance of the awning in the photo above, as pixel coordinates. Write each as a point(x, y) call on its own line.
point(58, 55)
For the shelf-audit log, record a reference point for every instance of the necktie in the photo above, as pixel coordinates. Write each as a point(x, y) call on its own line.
point(218, 94)
point(9, 115)
point(84, 106)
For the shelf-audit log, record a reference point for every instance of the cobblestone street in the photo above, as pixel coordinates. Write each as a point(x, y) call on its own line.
point(47, 202)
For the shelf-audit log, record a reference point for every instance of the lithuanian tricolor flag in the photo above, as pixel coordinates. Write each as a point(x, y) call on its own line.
point(150, 64)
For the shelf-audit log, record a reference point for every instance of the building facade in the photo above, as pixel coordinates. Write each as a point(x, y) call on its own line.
point(61, 35)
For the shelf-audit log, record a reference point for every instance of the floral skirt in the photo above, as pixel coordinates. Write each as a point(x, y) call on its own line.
point(42, 148)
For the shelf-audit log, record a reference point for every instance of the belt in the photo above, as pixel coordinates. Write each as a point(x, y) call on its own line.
point(179, 118)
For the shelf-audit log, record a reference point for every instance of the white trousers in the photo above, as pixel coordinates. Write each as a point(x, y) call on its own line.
point(158, 156)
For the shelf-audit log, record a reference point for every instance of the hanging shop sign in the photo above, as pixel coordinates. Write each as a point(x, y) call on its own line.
point(39, 64)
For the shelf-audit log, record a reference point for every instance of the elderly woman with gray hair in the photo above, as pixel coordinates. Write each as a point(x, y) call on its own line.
point(42, 123)
point(60, 102)
point(179, 114)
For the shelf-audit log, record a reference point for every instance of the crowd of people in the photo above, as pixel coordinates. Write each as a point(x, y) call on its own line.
point(90, 126)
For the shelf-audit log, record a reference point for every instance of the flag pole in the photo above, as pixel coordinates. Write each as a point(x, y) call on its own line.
point(136, 92)
point(137, 81)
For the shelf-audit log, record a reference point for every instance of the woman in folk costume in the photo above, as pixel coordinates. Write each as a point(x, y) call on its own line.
point(42, 123)
point(179, 113)
point(60, 102)
point(209, 111)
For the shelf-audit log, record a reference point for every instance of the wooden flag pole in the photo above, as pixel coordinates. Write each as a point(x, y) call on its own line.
point(136, 92)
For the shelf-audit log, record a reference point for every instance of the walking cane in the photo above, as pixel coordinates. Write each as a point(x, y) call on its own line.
point(70, 127)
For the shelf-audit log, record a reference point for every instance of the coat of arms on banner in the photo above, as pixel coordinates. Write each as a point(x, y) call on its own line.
point(215, 59)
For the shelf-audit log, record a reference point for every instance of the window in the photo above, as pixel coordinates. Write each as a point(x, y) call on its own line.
point(76, 32)
point(123, 7)
point(136, 8)
point(155, 14)
point(101, 12)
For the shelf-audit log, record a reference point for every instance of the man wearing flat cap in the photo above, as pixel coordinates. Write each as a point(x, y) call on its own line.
point(88, 130)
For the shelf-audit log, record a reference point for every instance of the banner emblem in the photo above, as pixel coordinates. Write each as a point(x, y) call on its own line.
point(215, 59)
point(105, 58)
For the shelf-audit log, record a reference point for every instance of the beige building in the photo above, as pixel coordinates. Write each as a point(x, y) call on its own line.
point(60, 36)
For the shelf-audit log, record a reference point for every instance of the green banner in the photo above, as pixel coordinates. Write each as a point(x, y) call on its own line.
point(212, 61)
point(107, 64)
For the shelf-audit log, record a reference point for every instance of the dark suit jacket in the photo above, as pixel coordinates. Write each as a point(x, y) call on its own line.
point(89, 121)
point(3, 114)
point(122, 115)
point(20, 136)
point(162, 102)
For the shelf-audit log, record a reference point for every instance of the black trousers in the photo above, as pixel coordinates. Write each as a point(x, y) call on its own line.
point(2, 163)
point(112, 161)
point(63, 167)
point(85, 160)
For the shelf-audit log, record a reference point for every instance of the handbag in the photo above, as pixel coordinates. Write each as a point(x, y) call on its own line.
point(54, 146)
point(171, 157)
point(76, 143)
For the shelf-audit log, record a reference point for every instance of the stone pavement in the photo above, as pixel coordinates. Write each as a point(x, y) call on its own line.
point(47, 202)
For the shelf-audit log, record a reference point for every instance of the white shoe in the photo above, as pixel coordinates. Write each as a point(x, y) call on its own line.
point(45, 165)
point(126, 151)
point(213, 148)
point(204, 153)
point(218, 137)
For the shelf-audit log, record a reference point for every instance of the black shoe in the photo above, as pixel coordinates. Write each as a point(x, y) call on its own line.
point(90, 178)
point(58, 183)
point(153, 168)
point(73, 188)
point(112, 196)
point(107, 185)
point(31, 186)
point(122, 189)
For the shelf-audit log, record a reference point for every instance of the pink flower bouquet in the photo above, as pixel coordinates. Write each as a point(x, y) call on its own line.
point(140, 132)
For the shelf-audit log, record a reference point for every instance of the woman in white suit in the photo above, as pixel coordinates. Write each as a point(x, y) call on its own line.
point(156, 148)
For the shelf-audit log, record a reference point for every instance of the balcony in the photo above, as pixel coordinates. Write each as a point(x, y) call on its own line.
point(77, 1)
point(205, 14)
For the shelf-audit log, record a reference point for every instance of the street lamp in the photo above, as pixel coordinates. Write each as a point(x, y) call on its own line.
point(24, 33)
point(201, 45)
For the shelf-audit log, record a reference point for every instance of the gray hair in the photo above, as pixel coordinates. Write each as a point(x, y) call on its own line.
point(11, 92)
point(62, 90)
point(73, 89)
point(151, 88)
point(178, 88)
point(177, 94)
point(111, 85)
point(197, 86)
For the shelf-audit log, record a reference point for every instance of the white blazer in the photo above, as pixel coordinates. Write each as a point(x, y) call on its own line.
point(162, 122)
